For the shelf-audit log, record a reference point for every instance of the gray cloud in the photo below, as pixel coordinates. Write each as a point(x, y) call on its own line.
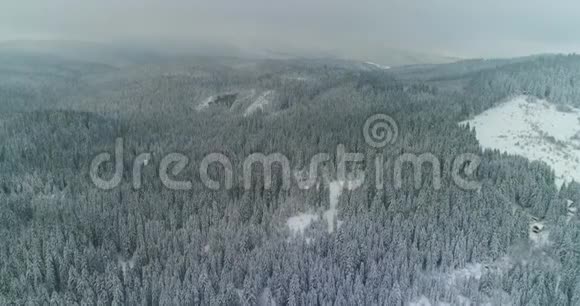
point(359, 29)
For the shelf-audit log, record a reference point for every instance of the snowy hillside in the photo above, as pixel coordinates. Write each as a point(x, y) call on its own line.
point(379, 66)
point(534, 129)
point(261, 101)
point(247, 100)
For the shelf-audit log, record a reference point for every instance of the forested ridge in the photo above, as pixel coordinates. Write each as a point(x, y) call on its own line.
point(63, 241)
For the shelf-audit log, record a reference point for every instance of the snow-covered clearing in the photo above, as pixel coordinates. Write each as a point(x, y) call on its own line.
point(537, 130)
point(298, 224)
point(477, 270)
point(424, 301)
point(470, 271)
point(455, 280)
point(534, 129)
point(262, 101)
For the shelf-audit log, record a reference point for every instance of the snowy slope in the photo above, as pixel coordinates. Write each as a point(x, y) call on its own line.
point(379, 66)
point(262, 101)
point(534, 129)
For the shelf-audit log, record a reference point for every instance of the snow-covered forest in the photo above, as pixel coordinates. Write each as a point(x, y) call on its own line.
point(514, 241)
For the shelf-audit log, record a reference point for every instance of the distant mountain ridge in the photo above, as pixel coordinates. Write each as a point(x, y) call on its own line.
point(94, 50)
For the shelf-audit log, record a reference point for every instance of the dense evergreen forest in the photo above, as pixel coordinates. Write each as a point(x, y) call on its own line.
point(63, 241)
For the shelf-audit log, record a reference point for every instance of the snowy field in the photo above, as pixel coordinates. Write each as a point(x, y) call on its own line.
point(534, 129)
point(537, 130)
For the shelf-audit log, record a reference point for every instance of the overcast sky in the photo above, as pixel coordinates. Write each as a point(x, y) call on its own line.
point(464, 28)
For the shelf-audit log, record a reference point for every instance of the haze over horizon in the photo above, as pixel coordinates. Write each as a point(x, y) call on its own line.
point(448, 28)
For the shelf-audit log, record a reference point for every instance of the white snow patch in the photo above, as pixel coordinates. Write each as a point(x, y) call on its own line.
point(572, 210)
point(126, 265)
point(298, 224)
point(378, 65)
point(536, 130)
point(470, 271)
point(266, 298)
point(538, 234)
point(424, 301)
point(477, 270)
point(262, 101)
point(463, 301)
point(296, 77)
point(205, 103)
